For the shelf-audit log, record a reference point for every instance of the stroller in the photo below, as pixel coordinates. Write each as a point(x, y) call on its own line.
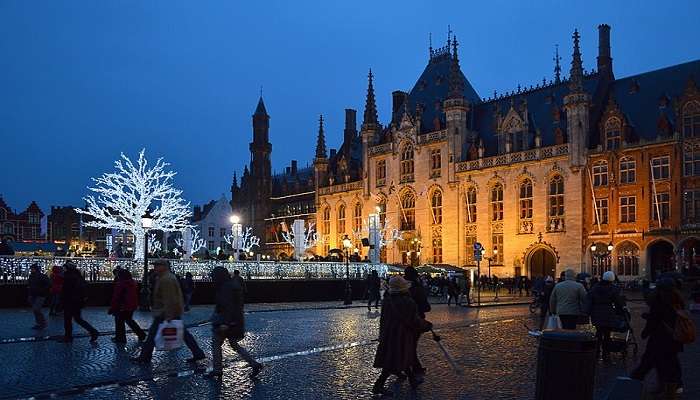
point(623, 337)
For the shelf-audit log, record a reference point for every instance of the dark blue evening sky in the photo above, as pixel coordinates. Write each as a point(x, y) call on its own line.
point(81, 81)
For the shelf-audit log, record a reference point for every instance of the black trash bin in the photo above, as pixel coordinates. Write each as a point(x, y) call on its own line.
point(566, 366)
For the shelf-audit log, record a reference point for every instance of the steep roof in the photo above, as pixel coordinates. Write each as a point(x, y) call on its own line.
point(260, 109)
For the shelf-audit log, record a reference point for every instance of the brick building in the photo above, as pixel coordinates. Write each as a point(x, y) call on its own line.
point(24, 226)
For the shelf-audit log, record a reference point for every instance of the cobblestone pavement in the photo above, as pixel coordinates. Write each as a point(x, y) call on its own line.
point(310, 351)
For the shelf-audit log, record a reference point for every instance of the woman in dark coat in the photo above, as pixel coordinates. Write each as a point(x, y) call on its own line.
point(399, 326)
point(124, 303)
point(606, 310)
point(227, 321)
point(662, 350)
point(419, 296)
point(73, 296)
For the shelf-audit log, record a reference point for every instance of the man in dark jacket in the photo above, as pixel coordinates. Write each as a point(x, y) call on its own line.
point(399, 326)
point(417, 293)
point(606, 309)
point(38, 285)
point(124, 302)
point(373, 288)
point(73, 296)
point(228, 322)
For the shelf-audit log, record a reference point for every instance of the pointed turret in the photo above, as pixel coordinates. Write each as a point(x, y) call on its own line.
point(576, 73)
point(456, 83)
point(260, 109)
point(370, 117)
point(557, 67)
point(320, 141)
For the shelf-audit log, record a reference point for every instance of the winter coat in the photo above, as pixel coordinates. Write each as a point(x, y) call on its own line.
point(56, 280)
point(605, 305)
point(399, 326)
point(661, 319)
point(74, 289)
point(419, 297)
point(373, 284)
point(167, 298)
point(568, 298)
point(38, 285)
point(125, 296)
point(229, 308)
point(187, 285)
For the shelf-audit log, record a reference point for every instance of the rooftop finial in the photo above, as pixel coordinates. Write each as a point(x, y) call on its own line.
point(261, 87)
point(456, 88)
point(449, 35)
point(557, 67)
point(320, 140)
point(370, 116)
point(576, 73)
point(430, 43)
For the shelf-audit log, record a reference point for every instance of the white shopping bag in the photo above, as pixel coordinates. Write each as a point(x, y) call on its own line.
point(553, 322)
point(170, 335)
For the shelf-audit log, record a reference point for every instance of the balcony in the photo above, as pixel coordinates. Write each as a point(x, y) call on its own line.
point(343, 187)
point(380, 149)
point(514, 158)
point(436, 136)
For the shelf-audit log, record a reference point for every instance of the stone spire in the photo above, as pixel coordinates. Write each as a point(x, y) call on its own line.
point(557, 67)
point(576, 73)
point(456, 84)
point(370, 116)
point(320, 140)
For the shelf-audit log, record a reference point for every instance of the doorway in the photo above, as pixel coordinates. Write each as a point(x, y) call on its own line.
point(542, 263)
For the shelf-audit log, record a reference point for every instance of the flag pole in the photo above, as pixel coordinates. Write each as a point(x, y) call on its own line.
point(595, 204)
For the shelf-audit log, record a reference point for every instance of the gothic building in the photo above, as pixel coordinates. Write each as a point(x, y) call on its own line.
point(530, 174)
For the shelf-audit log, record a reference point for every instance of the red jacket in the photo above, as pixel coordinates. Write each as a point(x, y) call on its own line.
point(125, 296)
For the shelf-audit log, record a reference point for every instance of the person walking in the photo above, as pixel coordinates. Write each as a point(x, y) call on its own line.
point(38, 285)
point(545, 294)
point(399, 326)
point(606, 309)
point(662, 349)
point(567, 300)
point(56, 288)
point(187, 290)
point(373, 287)
point(228, 322)
point(73, 296)
point(419, 296)
point(167, 306)
point(452, 291)
point(124, 303)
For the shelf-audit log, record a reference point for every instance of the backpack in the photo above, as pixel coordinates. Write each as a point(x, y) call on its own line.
point(684, 330)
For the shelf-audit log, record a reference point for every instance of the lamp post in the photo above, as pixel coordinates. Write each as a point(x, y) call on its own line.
point(235, 234)
point(146, 224)
point(347, 244)
point(601, 253)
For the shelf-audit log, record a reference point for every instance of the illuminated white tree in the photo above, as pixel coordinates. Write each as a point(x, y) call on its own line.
point(125, 195)
point(301, 238)
point(244, 242)
point(154, 245)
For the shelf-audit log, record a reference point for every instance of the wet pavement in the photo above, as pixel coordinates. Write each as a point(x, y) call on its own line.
point(309, 351)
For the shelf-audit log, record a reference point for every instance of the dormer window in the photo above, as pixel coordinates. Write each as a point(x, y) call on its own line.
point(613, 134)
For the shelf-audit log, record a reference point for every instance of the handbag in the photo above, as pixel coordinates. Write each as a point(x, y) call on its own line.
point(170, 335)
point(553, 322)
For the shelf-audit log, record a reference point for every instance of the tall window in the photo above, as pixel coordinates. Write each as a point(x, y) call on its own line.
point(437, 248)
point(602, 207)
point(525, 200)
point(497, 202)
point(691, 159)
point(628, 171)
point(382, 211)
point(326, 220)
point(613, 134)
point(601, 264)
point(408, 205)
point(381, 173)
point(210, 231)
point(34, 218)
point(471, 205)
point(600, 173)
point(222, 232)
point(435, 163)
point(628, 260)
point(691, 207)
point(469, 244)
point(664, 201)
point(357, 218)
point(556, 203)
point(691, 120)
point(407, 163)
point(436, 206)
point(341, 218)
point(628, 209)
point(660, 167)
point(497, 244)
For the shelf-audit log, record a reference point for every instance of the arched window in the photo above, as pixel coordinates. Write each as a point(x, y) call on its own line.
point(628, 259)
point(436, 206)
point(341, 218)
point(601, 260)
point(408, 211)
point(407, 163)
point(556, 204)
point(497, 202)
point(691, 119)
point(600, 173)
point(525, 200)
point(357, 218)
point(628, 173)
point(471, 205)
point(613, 133)
point(326, 227)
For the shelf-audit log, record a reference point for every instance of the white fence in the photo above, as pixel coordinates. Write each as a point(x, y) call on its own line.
point(15, 269)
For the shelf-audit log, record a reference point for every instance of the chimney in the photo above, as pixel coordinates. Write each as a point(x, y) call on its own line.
point(350, 129)
point(398, 98)
point(605, 67)
point(287, 170)
point(294, 167)
point(333, 152)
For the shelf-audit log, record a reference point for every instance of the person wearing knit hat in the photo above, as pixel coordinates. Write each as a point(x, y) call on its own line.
point(397, 284)
point(606, 308)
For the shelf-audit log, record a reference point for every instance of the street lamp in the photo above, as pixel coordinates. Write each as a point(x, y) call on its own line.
point(146, 224)
point(347, 244)
point(235, 234)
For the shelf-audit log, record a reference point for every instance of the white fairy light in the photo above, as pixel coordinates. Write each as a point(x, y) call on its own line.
point(244, 242)
point(301, 238)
